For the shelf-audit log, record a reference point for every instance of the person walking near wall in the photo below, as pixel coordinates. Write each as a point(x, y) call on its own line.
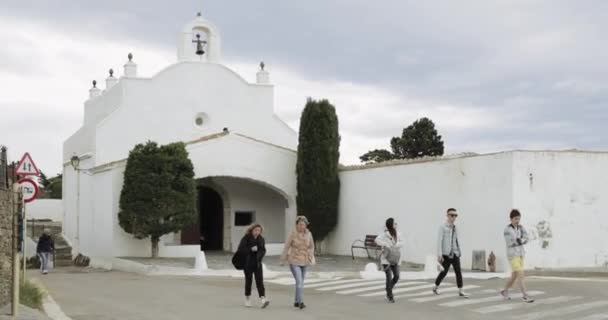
point(45, 246)
point(516, 237)
point(448, 252)
point(299, 252)
point(251, 251)
point(391, 244)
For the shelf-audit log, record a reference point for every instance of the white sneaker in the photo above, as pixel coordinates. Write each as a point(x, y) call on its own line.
point(528, 299)
point(248, 302)
point(505, 295)
point(264, 303)
point(463, 294)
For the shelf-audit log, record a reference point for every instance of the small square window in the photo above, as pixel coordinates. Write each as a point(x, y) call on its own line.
point(243, 218)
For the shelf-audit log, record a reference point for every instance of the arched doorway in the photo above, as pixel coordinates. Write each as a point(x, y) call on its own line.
point(209, 229)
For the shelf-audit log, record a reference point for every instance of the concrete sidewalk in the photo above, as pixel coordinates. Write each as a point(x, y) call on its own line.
point(25, 313)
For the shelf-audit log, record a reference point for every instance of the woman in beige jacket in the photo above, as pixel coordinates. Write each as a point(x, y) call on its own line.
point(299, 252)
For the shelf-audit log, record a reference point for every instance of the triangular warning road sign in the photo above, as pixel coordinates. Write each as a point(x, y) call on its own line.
point(26, 166)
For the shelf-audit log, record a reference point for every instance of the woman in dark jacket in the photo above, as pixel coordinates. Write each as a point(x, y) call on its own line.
point(252, 250)
point(43, 249)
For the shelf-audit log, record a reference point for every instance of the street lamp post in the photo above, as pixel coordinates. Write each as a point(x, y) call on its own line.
point(75, 162)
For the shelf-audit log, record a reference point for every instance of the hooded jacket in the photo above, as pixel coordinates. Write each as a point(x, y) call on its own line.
point(45, 244)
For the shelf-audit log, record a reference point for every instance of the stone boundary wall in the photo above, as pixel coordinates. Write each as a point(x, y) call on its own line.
point(6, 245)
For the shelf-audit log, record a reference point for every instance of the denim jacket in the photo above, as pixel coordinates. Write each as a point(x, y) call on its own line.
point(448, 241)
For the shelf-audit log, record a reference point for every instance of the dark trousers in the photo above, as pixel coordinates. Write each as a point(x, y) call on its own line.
point(259, 281)
point(447, 262)
point(392, 277)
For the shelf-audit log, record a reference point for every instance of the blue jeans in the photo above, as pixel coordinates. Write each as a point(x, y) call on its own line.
point(44, 261)
point(299, 273)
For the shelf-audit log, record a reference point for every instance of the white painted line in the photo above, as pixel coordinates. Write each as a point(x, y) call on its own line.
point(562, 311)
point(513, 306)
point(331, 283)
point(430, 293)
point(567, 279)
point(597, 316)
point(352, 285)
point(497, 297)
point(400, 284)
point(410, 289)
point(447, 296)
point(291, 281)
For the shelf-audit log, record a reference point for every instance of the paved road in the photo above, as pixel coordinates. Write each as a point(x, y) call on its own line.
point(96, 295)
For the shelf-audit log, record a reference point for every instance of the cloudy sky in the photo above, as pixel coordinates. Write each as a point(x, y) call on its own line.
point(493, 75)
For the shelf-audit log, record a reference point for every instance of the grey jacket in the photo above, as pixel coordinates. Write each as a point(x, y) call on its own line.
point(515, 247)
point(386, 240)
point(447, 243)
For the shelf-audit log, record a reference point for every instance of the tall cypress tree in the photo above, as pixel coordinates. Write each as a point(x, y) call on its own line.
point(318, 183)
point(159, 193)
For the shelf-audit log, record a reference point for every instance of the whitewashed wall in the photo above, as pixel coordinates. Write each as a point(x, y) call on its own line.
point(51, 209)
point(163, 109)
point(417, 196)
point(568, 191)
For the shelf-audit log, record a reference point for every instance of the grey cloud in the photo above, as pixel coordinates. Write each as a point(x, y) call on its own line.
point(540, 65)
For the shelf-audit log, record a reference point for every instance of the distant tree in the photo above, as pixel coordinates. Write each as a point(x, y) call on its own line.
point(318, 185)
point(54, 188)
point(377, 155)
point(43, 180)
point(159, 193)
point(420, 139)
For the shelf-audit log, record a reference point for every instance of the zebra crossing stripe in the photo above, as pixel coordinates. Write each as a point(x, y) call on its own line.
point(372, 288)
point(495, 298)
point(562, 311)
point(352, 285)
point(597, 316)
point(512, 306)
point(409, 289)
point(430, 293)
point(330, 283)
point(291, 281)
point(446, 296)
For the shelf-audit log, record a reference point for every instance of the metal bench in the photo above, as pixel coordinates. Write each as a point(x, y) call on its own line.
point(369, 244)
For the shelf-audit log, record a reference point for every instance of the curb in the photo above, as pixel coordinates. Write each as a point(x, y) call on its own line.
point(52, 309)
point(49, 306)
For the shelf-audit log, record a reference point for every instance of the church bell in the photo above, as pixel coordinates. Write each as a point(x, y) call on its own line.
point(199, 45)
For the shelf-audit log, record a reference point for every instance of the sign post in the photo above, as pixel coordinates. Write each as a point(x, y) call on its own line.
point(29, 189)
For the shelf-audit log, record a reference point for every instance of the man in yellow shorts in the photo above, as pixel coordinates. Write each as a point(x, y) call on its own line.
point(516, 237)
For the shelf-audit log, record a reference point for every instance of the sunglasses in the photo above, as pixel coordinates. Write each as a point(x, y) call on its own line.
point(452, 215)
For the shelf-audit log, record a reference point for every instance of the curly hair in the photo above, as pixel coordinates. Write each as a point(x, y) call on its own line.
point(249, 229)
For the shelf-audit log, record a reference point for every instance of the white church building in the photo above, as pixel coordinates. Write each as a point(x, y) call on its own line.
point(244, 159)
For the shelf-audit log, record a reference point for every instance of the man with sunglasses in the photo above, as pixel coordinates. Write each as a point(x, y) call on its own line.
point(448, 252)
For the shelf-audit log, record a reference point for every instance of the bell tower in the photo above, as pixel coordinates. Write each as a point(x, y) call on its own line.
point(199, 41)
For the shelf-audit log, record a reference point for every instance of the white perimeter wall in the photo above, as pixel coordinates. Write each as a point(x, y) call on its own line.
point(567, 190)
point(417, 196)
point(39, 209)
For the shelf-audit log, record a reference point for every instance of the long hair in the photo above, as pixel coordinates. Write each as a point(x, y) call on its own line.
point(249, 230)
point(390, 226)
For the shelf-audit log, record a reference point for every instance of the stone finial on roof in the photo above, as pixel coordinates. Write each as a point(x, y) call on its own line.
point(94, 91)
point(263, 77)
point(130, 67)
